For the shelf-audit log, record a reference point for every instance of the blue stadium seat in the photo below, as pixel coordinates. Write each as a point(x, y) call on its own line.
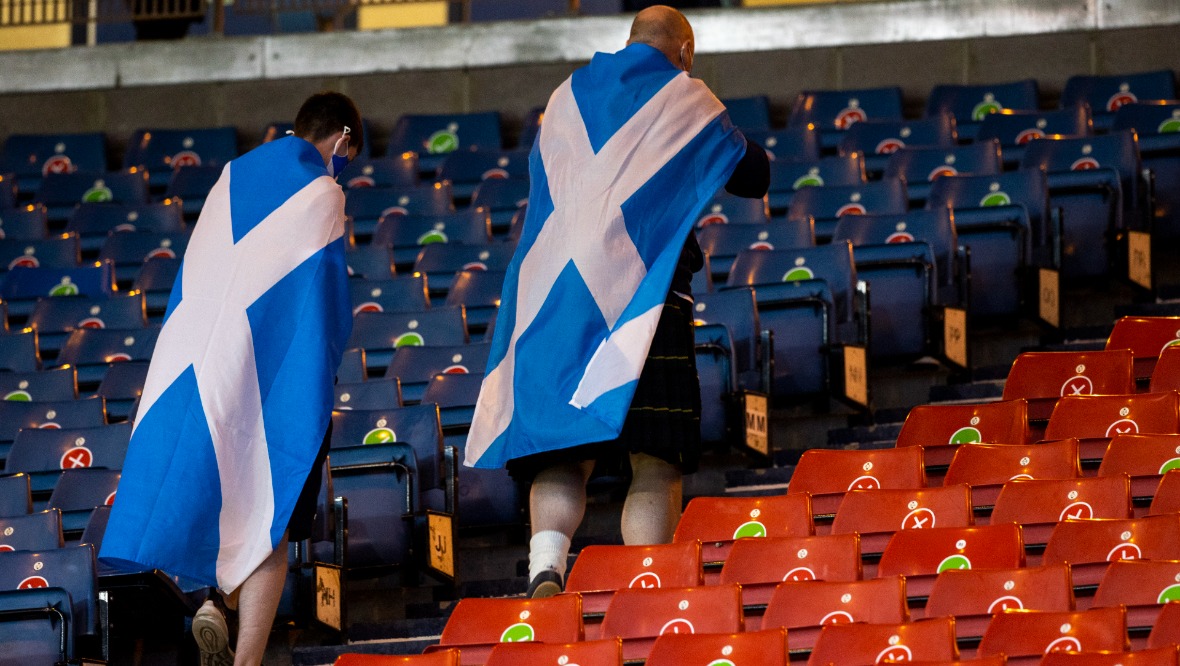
point(392, 171)
point(56, 252)
point(39, 386)
point(19, 352)
point(1105, 94)
point(726, 208)
point(1014, 129)
point(834, 111)
point(969, 104)
point(368, 394)
point(478, 292)
point(826, 204)
point(130, 251)
point(737, 311)
point(793, 143)
point(15, 497)
point(92, 350)
point(408, 234)
point(192, 186)
point(400, 294)
point(1158, 127)
point(439, 262)
point(60, 583)
point(1096, 182)
point(417, 426)
point(1022, 193)
point(161, 151)
point(373, 262)
point(723, 242)
point(77, 493)
point(44, 453)
point(455, 394)
point(55, 318)
point(92, 223)
point(33, 156)
point(878, 139)
point(50, 415)
point(34, 531)
point(121, 387)
point(934, 227)
point(24, 223)
point(368, 205)
point(377, 480)
point(352, 366)
point(749, 113)
point(467, 169)
point(155, 280)
point(416, 366)
point(381, 333)
point(434, 136)
point(789, 176)
point(22, 287)
point(716, 360)
point(503, 197)
point(918, 167)
point(701, 283)
point(61, 192)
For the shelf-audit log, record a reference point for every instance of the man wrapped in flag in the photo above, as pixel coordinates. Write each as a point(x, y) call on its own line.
point(231, 424)
point(592, 356)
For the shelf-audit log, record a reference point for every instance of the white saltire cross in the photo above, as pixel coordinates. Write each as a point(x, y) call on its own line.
point(209, 331)
point(587, 227)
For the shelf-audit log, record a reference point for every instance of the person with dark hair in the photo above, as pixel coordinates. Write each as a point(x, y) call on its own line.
point(225, 459)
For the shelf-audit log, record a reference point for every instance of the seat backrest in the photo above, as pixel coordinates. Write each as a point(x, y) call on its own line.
point(374, 203)
point(1167, 495)
point(26, 284)
point(834, 557)
point(41, 385)
point(1139, 583)
point(792, 175)
point(168, 149)
point(863, 643)
point(932, 551)
point(840, 109)
point(971, 103)
point(711, 609)
point(405, 293)
point(1090, 541)
point(1019, 128)
point(28, 222)
point(838, 471)
point(922, 164)
point(50, 415)
point(749, 113)
point(723, 241)
point(714, 519)
point(1109, 92)
point(94, 219)
point(753, 648)
point(84, 489)
point(65, 190)
point(1148, 118)
point(1025, 188)
point(831, 263)
point(736, 309)
point(884, 137)
point(444, 657)
point(478, 621)
point(800, 142)
point(374, 262)
point(1034, 633)
point(396, 170)
point(962, 592)
point(726, 208)
point(476, 288)
point(502, 195)
point(1104, 416)
point(49, 449)
point(1116, 150)
point(19, 351)
point(450, 258)
point(605, 652)
point(57, 252)
point(35, 155)
point(417, 425)
point(600, 568)
point(935, 227)
point(888, 511)
point(1141, 455)
point(1146, 337)
point(469, 167)
point(1053, 500)
point(471, 227)
point(820, 603)
point(34, 531)
point(883, 197)
point(1160, 656)
point(1167, 628)
point(122, 311)
point(371, 394)
point(420, 364)
point(16, 498)
point(1044, 377)
point(438, 134)
point(1004, 422)
point(391, 330)
point(985, 464)
point(72, 568)
point(453, 390)
point(94, 346)
point(1166, 375)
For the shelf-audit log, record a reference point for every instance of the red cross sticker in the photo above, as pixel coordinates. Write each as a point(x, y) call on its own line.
point(1005, 604)
point(1124, 551)
point(678, 626)
point(865, 483)
point(837, 617)
point(1077, 511)
point(918, 519)
point(799, 575)
point(894, 654)
point(33, 583)
point(79, 456)
point(5, 548)
point(646, 580)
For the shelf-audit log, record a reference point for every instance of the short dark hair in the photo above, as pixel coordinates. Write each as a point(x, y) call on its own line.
point(325, 113)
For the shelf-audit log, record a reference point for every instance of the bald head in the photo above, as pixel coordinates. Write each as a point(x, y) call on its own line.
point(666, 30)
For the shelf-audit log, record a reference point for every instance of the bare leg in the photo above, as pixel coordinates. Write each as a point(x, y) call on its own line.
point(653, 501)
point(557, 503)
point(258, 602)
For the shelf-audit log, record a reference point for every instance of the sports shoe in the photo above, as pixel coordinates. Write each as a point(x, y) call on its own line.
point(212, 635)
point(546, 584)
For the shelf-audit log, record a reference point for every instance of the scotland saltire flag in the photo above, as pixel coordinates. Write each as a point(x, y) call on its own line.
point(630, 149)
point(239, 390)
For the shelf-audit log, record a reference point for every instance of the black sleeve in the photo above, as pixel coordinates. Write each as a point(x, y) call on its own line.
point(751, 176)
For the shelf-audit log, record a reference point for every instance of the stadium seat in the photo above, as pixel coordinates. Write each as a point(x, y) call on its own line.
point(378, 482)
point(467, 169)
point(352, 366)
point(875, 515)
point(368, 395)
point(1166, 632)
point(1088, 546)
point(161, 151)
point(640, 616)
point(1159, 148)
point(56, 318)
point(415, 366)
point(1166, 375)
point(61, 251)
point(737, 310)
point(793, 143)
point(476, 625)
point(1144, 458)
point(34, 531)
point(368, 205)
point(405, 293)
point(1038, 505)
point(829, 474)
point(750, 648)
point(43, 453)
point(941, 429)
point(1167, 496)
point(58, 414)
point(439, 262)
point(19, 351)
point(718, 522)
point(33, 156)
point(921, 555)
point(504, 198)
point(716, 362)
point(920, 166)
point(22, 287)
point(606, 652)
point(39, 385)
point(398, 170)
point(877, 140)
point(787, 177)
point(62, 192)
point(969, 104)
point(407, 235)
point(988, 467)
point(1096, 182)
point(1094, 419)
point(192, 185)
point(599, 571)
point(1146, 337)
point(1015, 129)
point(1142, 586)
point(1043, 378)
point(1162, 656)
point(24, 223)
point(15, 496)
point(441, 658)
point(130, 251)
point(92, 350)
point(155, 280)
point(374, 262)
point(417, 425)
point(834, 111)
point(826, 204)
point(78, 491)
point(972, 596)
point(1025, 637)
point(1105, 94)
point(93, 222)
point(723, 242)
point(1014, 201)
point(478, 293)
point(804, 608)
point(758, 565)
point(864, 643)
point(72, 570)
point(381, 333)
point(726, 208)
point(433, 137)
point(749, 113)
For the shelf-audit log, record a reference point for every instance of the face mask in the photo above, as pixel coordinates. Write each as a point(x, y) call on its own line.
point(339, 155)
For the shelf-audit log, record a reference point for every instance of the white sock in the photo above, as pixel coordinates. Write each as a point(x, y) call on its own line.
point(548, 551)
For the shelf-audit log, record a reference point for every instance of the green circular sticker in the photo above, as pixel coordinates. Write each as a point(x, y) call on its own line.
point(721, 662)
point(19, 396)
point(750, 529)
point(64, 289)
point(1170, 465)
point(98, 194)
point(409, 340)
point(380, 436)
point(432, 237)
point(442, 141)
point(1169, 594)
point(966, 435)
point(954, 562)
point(800, 273)
point(1170, 125)
point(810, 179)
point(996, 199)
point(982, 109)
point(517, 633)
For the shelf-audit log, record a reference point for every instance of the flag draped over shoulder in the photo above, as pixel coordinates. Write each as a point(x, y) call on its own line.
point(630, 149)
point(239, 390)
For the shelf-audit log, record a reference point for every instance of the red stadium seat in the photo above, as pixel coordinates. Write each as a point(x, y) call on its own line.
point(994, 660)
point(1090, 545)
point(600, 570)
point(758, 565)
point(1163, 656)
point(1167, 628)
point(803, 609)
point(941, 429)
point(1037, 506)
point(1166, 375)
point(1145, 458)
point(1025, 636)
point(607, 652)
point(1044, 377)
point(719, 521)
point(973, 596)
point(641, 616)
point(862, 643)
point(828, 474)
point(988, 467)
point(440, 658)
point(920, 555)
point(753, 648)
point(1143, 586)
point(476, 625)
point(1167, 495)
point(875, 515)
point(1146, 337)
point(1094, 419)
